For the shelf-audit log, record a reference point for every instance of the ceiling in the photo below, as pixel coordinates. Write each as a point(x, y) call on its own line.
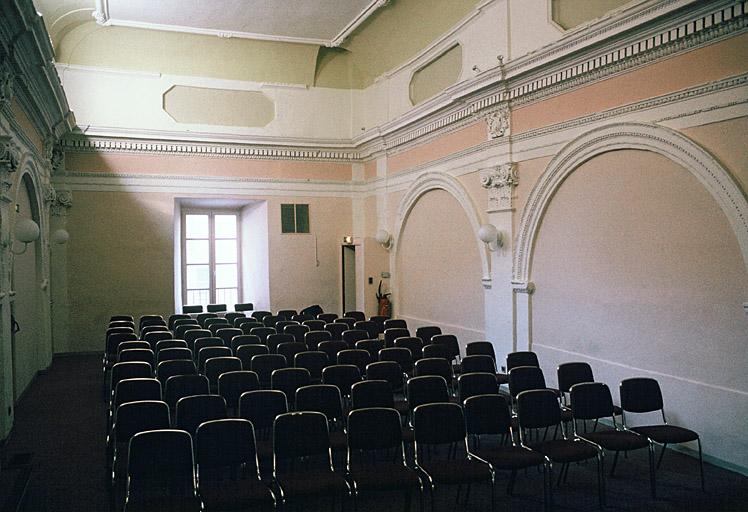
point(320, 22)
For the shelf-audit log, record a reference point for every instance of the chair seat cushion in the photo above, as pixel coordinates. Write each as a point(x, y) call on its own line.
point(234, 494)
point(667, 433)
point(457, 471)
point(510, 457)
point(384, 476)
point(617, 440)
point(565, 450)
point(312, 483)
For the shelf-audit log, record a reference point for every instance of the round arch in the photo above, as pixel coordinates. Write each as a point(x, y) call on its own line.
point(424, 183)
point(658, 139)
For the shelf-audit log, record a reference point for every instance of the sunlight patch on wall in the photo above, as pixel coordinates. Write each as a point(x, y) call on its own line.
point(225, 107)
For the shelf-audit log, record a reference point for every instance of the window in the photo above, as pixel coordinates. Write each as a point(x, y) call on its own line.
point(294, 218)
point(210, 258)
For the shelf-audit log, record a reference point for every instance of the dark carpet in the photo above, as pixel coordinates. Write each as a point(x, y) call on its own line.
point(61, 421)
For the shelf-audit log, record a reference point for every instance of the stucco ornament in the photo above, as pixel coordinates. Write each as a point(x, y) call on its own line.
point(6, 85)
point(10, 156)
point(62, 203)
point(498, 121)
point(500, 181)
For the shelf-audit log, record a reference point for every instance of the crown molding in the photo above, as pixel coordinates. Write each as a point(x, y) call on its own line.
point(101, 14)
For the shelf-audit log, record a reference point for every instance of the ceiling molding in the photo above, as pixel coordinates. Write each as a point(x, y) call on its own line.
point(101, 14)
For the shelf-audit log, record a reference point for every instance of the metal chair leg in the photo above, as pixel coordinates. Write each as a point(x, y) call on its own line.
point(613, 466)
point(662, 454)
point(701, 466)
point(601, 477)
point(652, 473)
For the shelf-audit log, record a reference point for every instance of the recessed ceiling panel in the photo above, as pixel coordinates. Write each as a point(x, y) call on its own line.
point(307, 21)
point(226, 107)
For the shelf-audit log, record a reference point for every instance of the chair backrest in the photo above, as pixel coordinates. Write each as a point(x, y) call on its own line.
point(232, 316)
point(180, 331)
point(299, 435)
point(323, 398)
point(412, 343)
point(172, 354)
point(524, 378)
point(349, 321)
point(341, 375)
point(480, 348)
point(590, 401)
point(315, 325)
point(192, 309)
point(172, 343)
point(451, 343)
point(371, 328)
point(426, 332)
point(289, 349)
point(336, 329)
point(573, 373)
point(202, 317)
point(261, 407)
point(226, 443)
point(356, 356)
point(174, 318)
point(395, 323)
point(137, 354)
point(379, 320)
point(372, 393)
point(314, 338)
point(391, 334)
point(129, 345)
point(243, 320)
point(273, 341)
point(232, 384)
point(244, 339)
point(301, 317)
point(437, 350)
point(180, 386)
point(228, 333)
point(166, 369)
point(184, 321)
point(280, 325)
point(133, 417)
point(327, 317)
point(435, 366)
point(154, 337)
point(487, 414)
point(438, 423)
point(297, 331)
point(372, 346)
point(312, 360)
point(538, 408)
point(214, 327)
point(351, 336)
point(244, 306)
point(150, 320)
point(246, 325)
point(148, 329)
point(113, 341)
point(478, 383)
point(211, 341)
point(287, 313)
point(260, 314)
point(400, 355)
point(430, 389)
point(209, 353)
point(359, 316)
point(216, 308)
point(262, 332)
point(194, 410)
point(130, 370)
point(521, 358)
point(190, 335)
point(134, 390)
point(332, 348)
point(245, 353)
point(391, 371)
point(478, 363)
point(313, 310)
point(374, 428)
point(216, 366)
point(271, 320)
point(289, 380)
point(160, 461)
point(265, 364)
point(126, 318)
point(640, 394)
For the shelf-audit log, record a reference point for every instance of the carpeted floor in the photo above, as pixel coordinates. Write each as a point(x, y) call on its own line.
point(61, 420)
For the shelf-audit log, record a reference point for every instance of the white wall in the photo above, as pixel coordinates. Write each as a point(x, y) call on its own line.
point(256, 274)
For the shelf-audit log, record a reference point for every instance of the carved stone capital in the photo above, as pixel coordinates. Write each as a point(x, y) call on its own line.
point(10, 157)
point(55, 153)
point(500, 182)
point(62, 202)
point(6, 85)
point(498, 121)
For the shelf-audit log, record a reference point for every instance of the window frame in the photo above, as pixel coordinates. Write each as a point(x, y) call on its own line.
point(211, 213)
point(295, 217)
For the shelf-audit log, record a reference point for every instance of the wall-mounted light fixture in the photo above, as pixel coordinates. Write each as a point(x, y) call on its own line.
point(490, 236)
point(383, 238)
point(60, 237)
point(26, 231)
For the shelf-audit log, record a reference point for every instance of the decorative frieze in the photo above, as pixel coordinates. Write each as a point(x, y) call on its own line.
point(500, 181)
point(498, 121)
point(10, 156)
